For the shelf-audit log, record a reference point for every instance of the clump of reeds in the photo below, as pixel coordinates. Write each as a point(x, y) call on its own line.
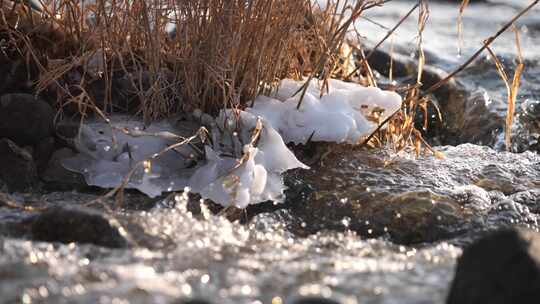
point(171, 55)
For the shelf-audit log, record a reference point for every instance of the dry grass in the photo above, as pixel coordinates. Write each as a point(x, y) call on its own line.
point(512, 89)
point(462, 7)
point(221, 53)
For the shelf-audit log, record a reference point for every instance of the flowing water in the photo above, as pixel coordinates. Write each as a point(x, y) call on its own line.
point(481, 118)
point(200, 255)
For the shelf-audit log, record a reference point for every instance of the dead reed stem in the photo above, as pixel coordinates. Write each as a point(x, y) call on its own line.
point(462, 7)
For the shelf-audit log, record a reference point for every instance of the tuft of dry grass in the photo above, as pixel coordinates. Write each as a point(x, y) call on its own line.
point(175, 55)
point(163, 56)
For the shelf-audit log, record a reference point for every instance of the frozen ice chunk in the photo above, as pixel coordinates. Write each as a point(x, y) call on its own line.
point(107, 155)
point(252, 177)
point(338, 112)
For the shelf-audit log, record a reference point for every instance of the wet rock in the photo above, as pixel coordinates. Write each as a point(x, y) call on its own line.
point(470, 104)
point(19, 171)
point(194, 301)
point(25, 119)
point(411, 200)
point(503, 267)
point(475, 122)
point(402, 66)
point(14, 75)
point(76, 224)
point(57, 177)
point(315, 300)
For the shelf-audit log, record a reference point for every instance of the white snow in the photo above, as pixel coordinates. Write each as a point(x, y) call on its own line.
point(237, 171)
point(338, 113)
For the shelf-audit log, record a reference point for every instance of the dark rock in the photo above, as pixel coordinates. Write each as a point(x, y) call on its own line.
point(15, 76)
point(120, 100)
point(315, 300)
point(24, 119)
point(81, 225)
point(18, 171)
point(503, 267)
point(43, 151)
point(402, 66)
point(194, 301)
point(57, 177)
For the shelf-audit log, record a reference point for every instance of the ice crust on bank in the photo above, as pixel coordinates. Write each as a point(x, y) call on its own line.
point(337, 113)
point(107, 155)
point(237, 171)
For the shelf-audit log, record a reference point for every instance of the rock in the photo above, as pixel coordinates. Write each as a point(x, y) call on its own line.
point(411, 200)
point(14, 75)
point(194, 301)
point(43, 151)
point(474, 122)
point(57, 177)
point(121, 99)
point(24, 119)
point(77, 224)
point(503, 267)
point(18, 170)
point(28, 122)
point(315, 300)
point(402, 65)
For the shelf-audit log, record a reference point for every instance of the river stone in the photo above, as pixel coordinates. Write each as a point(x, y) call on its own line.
point(410, 200)
point(25, 119)
point(57, 177)
point(18, 170)
point(503, 267)
point(315, 300)
point(194, 301)
point(77, 224)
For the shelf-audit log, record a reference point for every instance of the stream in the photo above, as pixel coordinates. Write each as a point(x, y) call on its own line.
point(359, 227)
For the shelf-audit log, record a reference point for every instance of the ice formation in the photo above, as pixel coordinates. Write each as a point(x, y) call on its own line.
point(247, 153)
point(257, 178)
point(107, 154)
point(342, 112)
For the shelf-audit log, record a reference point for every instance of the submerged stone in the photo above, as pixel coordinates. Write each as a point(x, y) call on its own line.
point(411, 200)
point(75, 224)
point(315, 300)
